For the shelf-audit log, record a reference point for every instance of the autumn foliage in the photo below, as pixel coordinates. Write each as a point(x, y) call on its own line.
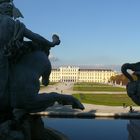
point(121, 79)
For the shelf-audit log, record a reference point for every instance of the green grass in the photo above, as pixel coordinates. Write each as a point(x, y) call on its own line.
point(90, 84)
point(96, 87)
point(101, 88)
point(105, 99)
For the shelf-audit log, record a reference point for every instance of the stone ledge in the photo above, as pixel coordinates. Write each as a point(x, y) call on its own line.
point(88, 115)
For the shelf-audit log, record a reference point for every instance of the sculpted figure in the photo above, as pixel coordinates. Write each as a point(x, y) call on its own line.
point(133, 128)
point(12, 33)
point(24, 84)
point(22, 63)
point(133, 86)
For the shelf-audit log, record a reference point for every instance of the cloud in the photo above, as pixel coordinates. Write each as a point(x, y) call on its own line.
point(53, 58)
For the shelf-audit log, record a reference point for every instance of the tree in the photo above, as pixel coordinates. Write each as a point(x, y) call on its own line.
point(121, 79)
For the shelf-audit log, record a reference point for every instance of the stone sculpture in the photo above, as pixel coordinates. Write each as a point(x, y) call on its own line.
point(21, 65)
point(133, 86)
point(133, 128)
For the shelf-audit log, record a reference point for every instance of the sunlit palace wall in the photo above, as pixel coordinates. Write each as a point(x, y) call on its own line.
point(76, 74)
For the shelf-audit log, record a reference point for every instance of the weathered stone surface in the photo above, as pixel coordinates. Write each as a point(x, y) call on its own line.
point(133, 86)
point(30, 128)
point(22, 63)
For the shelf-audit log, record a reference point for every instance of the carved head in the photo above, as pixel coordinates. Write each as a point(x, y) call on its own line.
point(7, 7)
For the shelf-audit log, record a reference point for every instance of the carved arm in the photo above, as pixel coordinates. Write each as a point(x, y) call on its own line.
point(41, 40)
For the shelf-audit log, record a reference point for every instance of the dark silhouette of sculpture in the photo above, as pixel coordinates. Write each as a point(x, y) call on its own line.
point(22, 63)
point(133, 86)
point(24, 90)
point(133, 128)
point(20, 79)
point(12, 33)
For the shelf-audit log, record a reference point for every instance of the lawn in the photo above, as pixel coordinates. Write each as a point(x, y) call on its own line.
point(96, 87)
point(90, 84)
point(105, 99)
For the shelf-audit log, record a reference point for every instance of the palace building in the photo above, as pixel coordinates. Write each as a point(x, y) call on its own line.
point(77, 74)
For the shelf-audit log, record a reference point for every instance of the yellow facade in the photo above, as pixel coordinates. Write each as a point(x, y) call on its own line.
point(76, 74)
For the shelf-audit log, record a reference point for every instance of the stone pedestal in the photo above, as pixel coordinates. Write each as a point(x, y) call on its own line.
point(27, 127)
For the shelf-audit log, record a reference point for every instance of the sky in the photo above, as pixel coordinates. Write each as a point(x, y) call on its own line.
point(92, 32)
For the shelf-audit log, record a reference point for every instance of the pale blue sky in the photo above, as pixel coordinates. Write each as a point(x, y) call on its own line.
point(91, 31)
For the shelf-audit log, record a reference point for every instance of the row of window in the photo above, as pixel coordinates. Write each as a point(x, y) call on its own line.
point(80, 77)
point(82, 74)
